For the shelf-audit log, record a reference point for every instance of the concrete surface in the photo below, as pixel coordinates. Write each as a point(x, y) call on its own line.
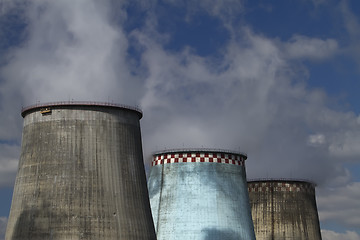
point(199, 200)
point(80, 176)
point(284, 209)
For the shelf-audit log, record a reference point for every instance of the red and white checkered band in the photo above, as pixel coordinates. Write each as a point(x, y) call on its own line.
point(198, 157)
point(281, 187)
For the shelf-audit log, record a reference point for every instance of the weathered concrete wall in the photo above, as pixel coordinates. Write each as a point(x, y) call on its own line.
point(81, 176)
point(284, 210)
point(200, 199)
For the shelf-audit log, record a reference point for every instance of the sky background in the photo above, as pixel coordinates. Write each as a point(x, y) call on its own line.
point(278, 80)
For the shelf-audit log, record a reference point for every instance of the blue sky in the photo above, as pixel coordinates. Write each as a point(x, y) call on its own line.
point(278, 80)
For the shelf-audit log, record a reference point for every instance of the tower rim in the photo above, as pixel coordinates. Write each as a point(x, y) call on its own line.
point(38, 106)
point(297, 180)
point(199, 150)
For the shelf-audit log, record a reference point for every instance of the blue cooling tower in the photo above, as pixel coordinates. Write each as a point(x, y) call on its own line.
point(200, 194)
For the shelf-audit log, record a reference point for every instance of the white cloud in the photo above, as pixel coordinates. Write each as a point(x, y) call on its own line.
point(249, 100)
point(225, 10)
point(350, 19)
point(316, 139)
point(303, 47)
point(331, 235)
point(340, 204)
point(3, 223)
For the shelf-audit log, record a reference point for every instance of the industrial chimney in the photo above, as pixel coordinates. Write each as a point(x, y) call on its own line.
point(200, 194)
point(81, 174)
point(284, 209)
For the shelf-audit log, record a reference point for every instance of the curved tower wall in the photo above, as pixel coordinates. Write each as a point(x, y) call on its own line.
point(80, 175)
point(201, 195)
point(284, 209)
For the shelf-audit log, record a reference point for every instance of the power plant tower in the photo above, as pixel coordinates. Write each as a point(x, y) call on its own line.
point(80, 175)
point(200, 194)
point(284, 209)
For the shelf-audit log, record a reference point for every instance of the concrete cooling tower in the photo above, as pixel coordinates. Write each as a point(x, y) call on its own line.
point(200, 195)
point(80, 175)
point(284, 209)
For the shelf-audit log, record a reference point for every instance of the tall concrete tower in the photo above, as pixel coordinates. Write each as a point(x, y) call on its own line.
point(284, 209)
point(201, 195)
point(80, 175)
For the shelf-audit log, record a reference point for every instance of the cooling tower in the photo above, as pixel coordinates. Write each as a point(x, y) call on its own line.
point(200, 195)
point(284, 209)
point(80, 175)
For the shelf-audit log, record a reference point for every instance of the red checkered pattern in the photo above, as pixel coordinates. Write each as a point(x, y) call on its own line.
point(280, 187)
point(198, 157)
